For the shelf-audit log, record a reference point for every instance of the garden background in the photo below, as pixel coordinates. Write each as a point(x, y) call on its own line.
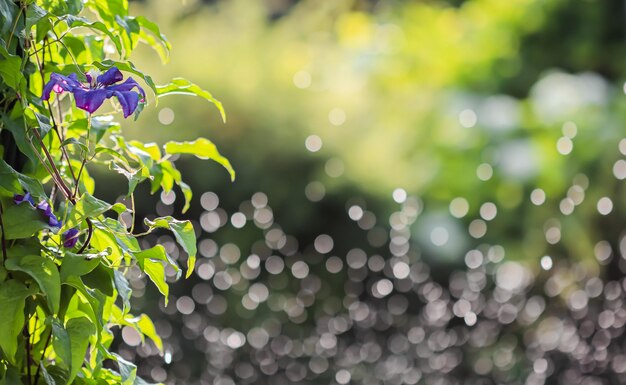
point(427, 192)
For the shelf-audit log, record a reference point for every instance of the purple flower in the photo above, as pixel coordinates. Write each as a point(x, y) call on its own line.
point(90, 96)
point(70, 237)
point(19, 199)
point(47, 212)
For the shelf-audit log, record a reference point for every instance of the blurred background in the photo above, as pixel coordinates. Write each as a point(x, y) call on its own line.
point(428, 192)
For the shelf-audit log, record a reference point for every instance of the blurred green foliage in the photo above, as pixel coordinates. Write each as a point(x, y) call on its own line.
point(502, 121)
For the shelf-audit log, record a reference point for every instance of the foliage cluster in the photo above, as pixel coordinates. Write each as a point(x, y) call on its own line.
point(65, 252)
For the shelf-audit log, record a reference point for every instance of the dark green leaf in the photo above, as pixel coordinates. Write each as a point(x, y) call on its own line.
point(9, 182)
point(44, 272)
point(11, 71)
point(79, 331)
point(22, 221)
point(46, 376)
point(77, 265)
point(8, 10)
point(61, 342)
point(12, 298)
point(34, 13)
point(44, 124)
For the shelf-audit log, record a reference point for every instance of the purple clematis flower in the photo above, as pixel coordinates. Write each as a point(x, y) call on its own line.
point(47, 212)
point(70, 237)
point(90, 96)
point(19, 199)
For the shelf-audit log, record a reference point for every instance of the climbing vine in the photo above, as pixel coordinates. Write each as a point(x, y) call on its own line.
point(65, 82)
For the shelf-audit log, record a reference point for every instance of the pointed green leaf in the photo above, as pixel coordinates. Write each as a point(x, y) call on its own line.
point(128, 371)
point(185, 87)
point(12, 299)
point(87, 206)
point(78, 265)
point(146, 327)
point(203, 149)
point(9, 183)
point(184, 234)
point(123, 288)
point(44, 272)
point(151, 34)
point(61, 342)
point(79, 331)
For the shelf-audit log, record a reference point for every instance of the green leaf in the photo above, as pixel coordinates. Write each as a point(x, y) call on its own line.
point(44, 272)
point(108, 9)
point(94, 298)
point(185, 87)
point(128, 371)
point(14, 122)
point(146, 327)
point(22, 221)
point(9, 182)
point(134, 176)
point(87, 206)
point(184, 234)
point(203, 149)
point(8, 10)
point(79, 331)
point(75, 142)
point(75, 21)
point(77, 265)
point(11, 71)
point(34, 14)
point(8, 185)
point(62, 7)
point(154, 38)
point(123, 288)
point(187, 193)
point(46, 376)
point(44, 124)
point(12, 299)
point(132, 29)
point(100, 278)
point(61, 342)
point(150, 262)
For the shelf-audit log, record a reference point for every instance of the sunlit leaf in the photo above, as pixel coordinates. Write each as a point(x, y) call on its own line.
point(184, 234)
point(182, 86)
point(203, 149)
point(44, 272)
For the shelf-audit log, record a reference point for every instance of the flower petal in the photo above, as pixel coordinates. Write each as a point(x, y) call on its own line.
point(128, 85)
point(60, 83)
point(113, 75)
point(128, 100)
point(70, 237)
point(19, 199)
point(91, 100)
